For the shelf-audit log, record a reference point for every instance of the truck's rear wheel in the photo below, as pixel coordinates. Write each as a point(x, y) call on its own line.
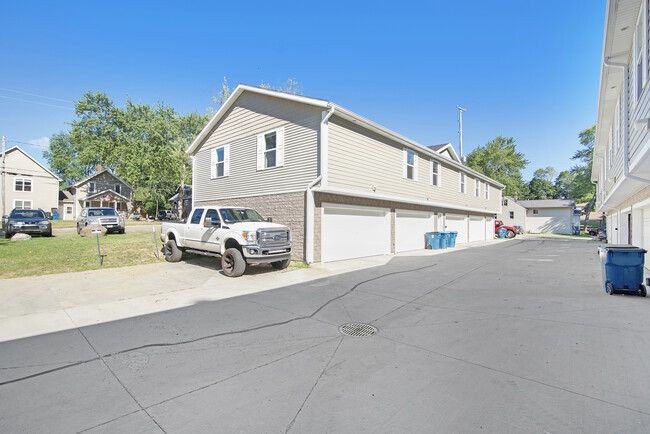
point(172, 252)
point(281, 265)
point(510, 233)
point(233, 263)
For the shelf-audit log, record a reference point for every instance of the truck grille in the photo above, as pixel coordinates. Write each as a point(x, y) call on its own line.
point(273, 238)
point(108, 221)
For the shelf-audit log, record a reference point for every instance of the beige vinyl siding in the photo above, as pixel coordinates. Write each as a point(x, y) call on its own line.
point(363, 161)
point(45, 188)
point(255, 114)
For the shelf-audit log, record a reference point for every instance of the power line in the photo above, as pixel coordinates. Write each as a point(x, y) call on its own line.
point(28, 144)
point(34, 94)
point(36, 102)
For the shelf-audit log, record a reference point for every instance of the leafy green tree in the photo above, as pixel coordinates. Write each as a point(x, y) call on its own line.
point(539, 188)
point(581, 188)
point(564, 184)
point(547, 174)
point(500, 160)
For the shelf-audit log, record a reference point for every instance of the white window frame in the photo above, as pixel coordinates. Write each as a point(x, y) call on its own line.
point(461, 179)
point(639, 54)
point(279, 149)
point(477, 187)
point(22, 203)
point(118, 188)
point(406, 165)
point(535, 212)
point(23, 180)
point(68, 209)
point(92, 187)
point(487, 191)
point(511, 214)
point(436, 174)
point(214, 162)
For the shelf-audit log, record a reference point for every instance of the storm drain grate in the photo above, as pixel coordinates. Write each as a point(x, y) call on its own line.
point(357, 329)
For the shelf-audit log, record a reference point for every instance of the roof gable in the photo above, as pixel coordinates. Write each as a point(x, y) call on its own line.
point(94, 175)
point(17, 148)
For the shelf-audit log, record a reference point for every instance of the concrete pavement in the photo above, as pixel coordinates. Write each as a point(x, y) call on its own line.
point(516, 336)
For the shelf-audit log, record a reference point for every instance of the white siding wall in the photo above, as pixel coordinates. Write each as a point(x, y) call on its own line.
point(550, 221)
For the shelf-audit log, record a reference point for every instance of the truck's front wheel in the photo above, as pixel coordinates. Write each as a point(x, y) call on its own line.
point(510, 233)
point(281, 265)
point(233, 263)
point(172, 252)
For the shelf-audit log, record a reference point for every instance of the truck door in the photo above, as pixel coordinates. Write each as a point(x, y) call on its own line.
point(194, 229)
point(211, 238)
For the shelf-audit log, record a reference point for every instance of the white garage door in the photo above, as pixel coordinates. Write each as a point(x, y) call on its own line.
point(458, 223)
point(410, 227)
point(476, 229)
point(354, 232)
point(489, 228)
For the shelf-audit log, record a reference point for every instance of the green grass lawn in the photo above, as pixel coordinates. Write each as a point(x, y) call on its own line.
point(67, 253)
point(62, 224)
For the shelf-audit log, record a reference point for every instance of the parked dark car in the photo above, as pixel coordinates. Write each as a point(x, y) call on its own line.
point(602, 234)
point(27, 221)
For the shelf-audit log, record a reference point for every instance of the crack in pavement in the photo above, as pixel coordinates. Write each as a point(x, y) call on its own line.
point(216, 335)
point(552, 386)
point(314, 386)
point(109, 421)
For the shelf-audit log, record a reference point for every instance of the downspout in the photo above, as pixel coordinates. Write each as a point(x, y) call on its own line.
point(309, 220)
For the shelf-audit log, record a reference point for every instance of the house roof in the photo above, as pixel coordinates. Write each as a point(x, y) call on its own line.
point(65, 196)
point(87, 179)
point(101, 193)
point(339, 112)
point(187, 193)
point(440, 149)
point(17, 148)
point(548, 203)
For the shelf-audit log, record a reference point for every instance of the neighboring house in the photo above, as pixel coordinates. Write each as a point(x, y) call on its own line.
point(66, 205)
point(28, 184)
point(550, 216)
point(512, 213)
point(346, 186)
point(187, 201)
point(100, 189)
point(621, 165)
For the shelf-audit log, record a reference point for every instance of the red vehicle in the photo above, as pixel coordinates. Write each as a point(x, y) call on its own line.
point(511, 231)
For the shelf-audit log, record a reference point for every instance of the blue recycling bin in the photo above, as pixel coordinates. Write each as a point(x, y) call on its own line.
point(444, 239)
point(622, 269)
point(433, 240)
point(55, 216)
point(452, 238)
point(502, 232)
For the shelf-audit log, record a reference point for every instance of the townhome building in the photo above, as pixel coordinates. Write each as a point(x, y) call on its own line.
point(621, 167)
point(346, 186)
point(28, 184)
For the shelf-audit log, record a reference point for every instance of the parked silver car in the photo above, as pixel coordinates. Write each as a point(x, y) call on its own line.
point(106, 217)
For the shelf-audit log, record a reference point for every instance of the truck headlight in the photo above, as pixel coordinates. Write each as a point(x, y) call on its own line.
point(249, 236)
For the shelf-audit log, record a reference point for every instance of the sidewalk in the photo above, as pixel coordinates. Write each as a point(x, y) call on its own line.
point(37, 305)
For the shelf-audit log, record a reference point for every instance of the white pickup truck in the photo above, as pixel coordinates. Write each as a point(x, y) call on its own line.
point(240, 236)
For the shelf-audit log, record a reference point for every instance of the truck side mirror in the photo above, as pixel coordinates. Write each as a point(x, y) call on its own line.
point(209, 221)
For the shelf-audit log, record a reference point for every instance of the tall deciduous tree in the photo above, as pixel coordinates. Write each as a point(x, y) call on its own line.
point(500, 160)
point(581, 188)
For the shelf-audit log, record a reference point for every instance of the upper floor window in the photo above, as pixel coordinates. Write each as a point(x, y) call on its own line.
point(462, 182)
point(410, 165)
point(220, 162)
point(505, 202)
point(477, 188)
point(487, 191)
point(22, 184)
point(435, 173)
point(92, 187)
point(270, 149)
point(512, 214)
point(22, 204)
point(535, 211)
point(118, 188)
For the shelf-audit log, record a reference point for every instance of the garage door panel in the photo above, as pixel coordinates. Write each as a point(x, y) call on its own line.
point(476, 229)
point(458, 223)
point(354, 232)
point(410, 227)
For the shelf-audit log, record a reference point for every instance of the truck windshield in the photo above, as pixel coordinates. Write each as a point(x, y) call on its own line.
point(238, 215)
point(96, 212)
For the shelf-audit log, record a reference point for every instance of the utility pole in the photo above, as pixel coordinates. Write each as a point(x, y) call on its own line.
point(3, 181)
point(460, 131)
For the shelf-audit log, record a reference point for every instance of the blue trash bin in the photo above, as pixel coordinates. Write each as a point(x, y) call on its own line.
point(55, 216)
point(452, 238)
point(433, 240)
point(502, 232)
point(444, 240)
point(622, 269)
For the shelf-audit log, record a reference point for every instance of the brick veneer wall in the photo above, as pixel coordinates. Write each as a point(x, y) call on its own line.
point(286, 209)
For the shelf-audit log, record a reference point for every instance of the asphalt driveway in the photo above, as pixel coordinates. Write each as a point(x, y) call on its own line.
point(516, 336)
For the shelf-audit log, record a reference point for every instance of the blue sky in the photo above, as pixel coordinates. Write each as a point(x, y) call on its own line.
point(527, 70)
